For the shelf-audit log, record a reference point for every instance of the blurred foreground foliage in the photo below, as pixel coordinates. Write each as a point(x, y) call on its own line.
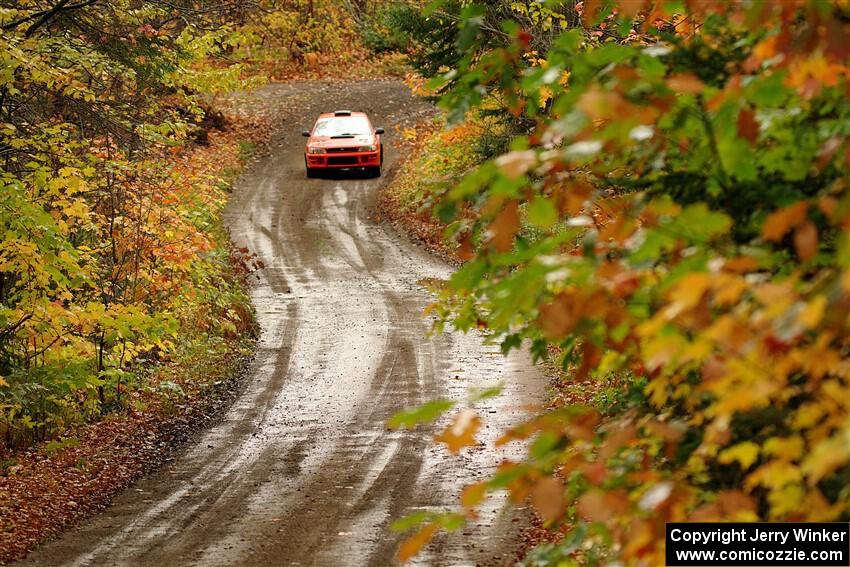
point(670, 216)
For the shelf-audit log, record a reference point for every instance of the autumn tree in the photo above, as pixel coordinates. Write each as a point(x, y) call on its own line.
point(673, 223)
point(97, 235)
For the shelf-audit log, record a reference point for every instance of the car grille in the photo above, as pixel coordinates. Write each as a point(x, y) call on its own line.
point(340, 150)
point(342, 160)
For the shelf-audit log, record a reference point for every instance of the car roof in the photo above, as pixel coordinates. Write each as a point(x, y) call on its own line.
point(338, 115)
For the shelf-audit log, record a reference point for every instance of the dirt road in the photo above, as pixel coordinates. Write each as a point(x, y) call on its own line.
point(302, 470)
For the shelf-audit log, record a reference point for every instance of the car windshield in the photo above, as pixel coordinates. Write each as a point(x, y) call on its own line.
point(343, 126)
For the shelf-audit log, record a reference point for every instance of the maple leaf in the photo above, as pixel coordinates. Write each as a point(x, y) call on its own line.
point(827, 456)
point(460, 432)
point(780, 222)
point(744, 454)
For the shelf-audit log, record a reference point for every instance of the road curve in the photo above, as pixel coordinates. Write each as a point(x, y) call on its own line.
point(302, 471)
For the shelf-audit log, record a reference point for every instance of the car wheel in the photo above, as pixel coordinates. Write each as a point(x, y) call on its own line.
point(375, 171)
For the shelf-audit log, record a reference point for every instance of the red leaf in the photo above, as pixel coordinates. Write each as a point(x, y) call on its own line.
point(748, 127)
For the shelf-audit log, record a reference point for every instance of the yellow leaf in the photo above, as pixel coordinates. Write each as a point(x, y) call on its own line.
point(461, 431)
point(785, 448)
point(807, 415)
point(657, 391)
point(786, 500)
point(827, 456)
point(811, 316)
point(409, 134)
point(697, 351)
point(688, 292)
point(728, 289)
point(663, 350)
point(819, 509)
point(744, 453)
point(774, 475)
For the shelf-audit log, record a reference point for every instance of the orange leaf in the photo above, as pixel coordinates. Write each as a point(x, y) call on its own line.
point(413, 544)
point(779, 222)
point(558, 318)
point(466, 251)
point(583, 425)
point(734, 501)
point(741, 264)
point(504, 227)
point(664, 430)
point(685, 83)
point(591, 7)
point(576, 197)
point(461, 431)
point(766, 48)
point(596, 472)
point(599, 104)
point(473, 494)
point(547, 497)
point(827, 206)
point(599, 506)
point(630, 8)
point(514, 164)
point(806, 241)
point(616, 440)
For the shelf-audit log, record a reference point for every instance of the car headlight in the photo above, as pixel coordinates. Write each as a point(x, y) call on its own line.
point(371, 148)
point(316, 150)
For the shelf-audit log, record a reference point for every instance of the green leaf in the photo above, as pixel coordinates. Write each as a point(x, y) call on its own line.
point(414, 416)
point(412, 520)
point(542, 212)
point(479, 394)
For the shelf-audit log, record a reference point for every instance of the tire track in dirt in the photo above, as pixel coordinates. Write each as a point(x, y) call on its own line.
point(301, 470)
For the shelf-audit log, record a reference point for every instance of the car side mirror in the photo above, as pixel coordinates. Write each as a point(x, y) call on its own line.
point(379, 130)
point(306, 133)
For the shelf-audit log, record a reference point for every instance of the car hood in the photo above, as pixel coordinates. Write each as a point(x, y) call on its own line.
point(326, 142)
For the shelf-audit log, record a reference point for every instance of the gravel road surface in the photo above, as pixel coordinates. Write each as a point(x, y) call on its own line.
point(302, 471)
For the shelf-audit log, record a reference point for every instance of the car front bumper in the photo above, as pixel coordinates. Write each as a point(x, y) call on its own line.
point(343, 160)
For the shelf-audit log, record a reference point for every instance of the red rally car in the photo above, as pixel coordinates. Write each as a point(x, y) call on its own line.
point(343, 140)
